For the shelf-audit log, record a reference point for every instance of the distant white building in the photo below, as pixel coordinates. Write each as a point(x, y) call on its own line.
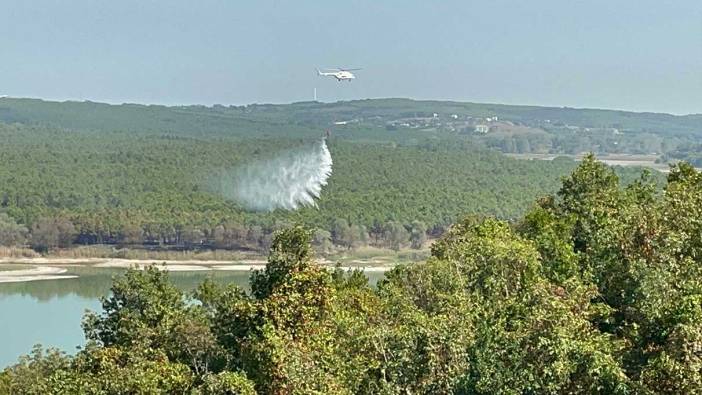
point(482, 129)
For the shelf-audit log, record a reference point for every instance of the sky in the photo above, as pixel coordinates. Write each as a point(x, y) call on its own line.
point(639, 55)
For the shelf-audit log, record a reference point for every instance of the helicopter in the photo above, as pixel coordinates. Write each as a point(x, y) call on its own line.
point(339, 74)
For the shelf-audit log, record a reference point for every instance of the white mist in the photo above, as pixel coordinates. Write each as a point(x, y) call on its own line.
point(289, 181)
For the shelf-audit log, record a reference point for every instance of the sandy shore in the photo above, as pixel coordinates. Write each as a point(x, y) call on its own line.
point(119, 262)
point(34, 274)
point(55, 268)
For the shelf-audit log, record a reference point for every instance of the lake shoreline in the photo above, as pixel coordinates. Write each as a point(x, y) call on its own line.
point(55, 268)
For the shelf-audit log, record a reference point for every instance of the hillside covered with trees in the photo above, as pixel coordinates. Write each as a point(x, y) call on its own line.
point(510, 128)
point(596, 289)
point(89, 173)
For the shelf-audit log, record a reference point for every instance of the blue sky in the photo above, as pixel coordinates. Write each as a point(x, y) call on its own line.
point(638, 55)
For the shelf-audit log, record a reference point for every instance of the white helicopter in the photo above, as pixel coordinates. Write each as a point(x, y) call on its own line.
point(339, 74)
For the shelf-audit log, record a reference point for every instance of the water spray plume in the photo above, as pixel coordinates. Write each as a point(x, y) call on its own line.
point(288, 181)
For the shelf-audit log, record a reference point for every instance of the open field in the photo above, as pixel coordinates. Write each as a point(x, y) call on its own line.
point(648, 161)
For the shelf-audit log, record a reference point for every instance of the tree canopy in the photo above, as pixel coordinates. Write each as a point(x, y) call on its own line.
point(596, 289)
point(133, 175)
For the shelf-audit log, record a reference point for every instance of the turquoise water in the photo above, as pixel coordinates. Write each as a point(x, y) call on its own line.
point(49, 312)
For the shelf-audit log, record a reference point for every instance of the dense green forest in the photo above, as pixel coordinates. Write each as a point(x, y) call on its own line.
point(596, 289)
point(118, 187)
point(84, 173)
point(522, 129)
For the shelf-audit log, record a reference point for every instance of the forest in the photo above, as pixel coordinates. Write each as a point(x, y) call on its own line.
point(594, 289)
point(691, 153)
point(131, 175)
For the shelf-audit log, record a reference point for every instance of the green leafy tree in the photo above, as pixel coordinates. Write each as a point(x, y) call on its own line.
point(396, 235)
point(11, 233)
point(322, 241)
point(227, 383)
point(594, 290)
point(50, 233)
point(418, 235)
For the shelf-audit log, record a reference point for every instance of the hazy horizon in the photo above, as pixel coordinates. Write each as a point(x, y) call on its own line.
point(640, 56)
point(338, 101)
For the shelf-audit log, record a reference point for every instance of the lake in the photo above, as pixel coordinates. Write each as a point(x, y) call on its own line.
point(49, 312)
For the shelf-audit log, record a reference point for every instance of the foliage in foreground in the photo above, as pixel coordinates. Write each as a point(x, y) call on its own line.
point(596, 290)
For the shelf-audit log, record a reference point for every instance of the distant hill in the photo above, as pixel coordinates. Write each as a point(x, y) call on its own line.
point(592, 118)
point(263, 118)
point(134, 173)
